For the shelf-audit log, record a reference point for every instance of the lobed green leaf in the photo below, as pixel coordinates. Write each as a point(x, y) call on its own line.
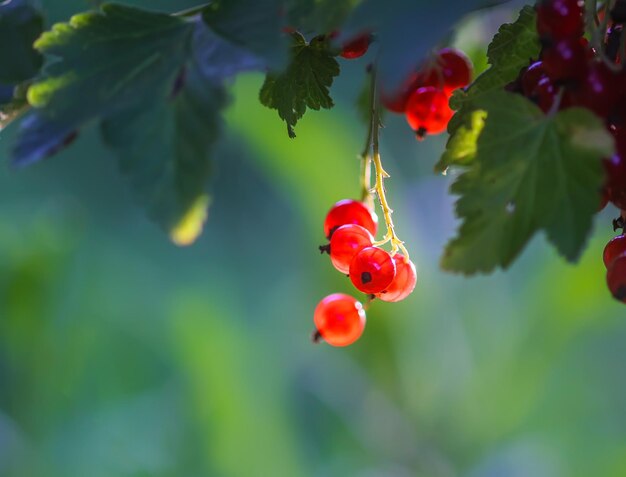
point(304, 84)
point(155, 83)
point(530, 172)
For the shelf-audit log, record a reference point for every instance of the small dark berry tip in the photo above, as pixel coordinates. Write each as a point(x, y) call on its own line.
point(420, 134)
point(316, 337)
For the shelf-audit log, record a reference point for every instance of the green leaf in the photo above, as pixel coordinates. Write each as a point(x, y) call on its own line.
point(304, 84)
point(319, 16)
point(113, 58)
point(20, 25)
point(164, 149)
point(156, 84)
point(511, 49)
point(251, 24)
point(531, 172)
point(461, 147)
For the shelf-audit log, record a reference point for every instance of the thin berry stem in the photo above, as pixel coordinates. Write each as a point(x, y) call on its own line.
point(381, 175)
point(366, 157)
point(557, 102)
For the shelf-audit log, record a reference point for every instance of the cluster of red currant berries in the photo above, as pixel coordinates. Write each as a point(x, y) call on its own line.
point(423, 97)
point(570, 73)
point(350, 227)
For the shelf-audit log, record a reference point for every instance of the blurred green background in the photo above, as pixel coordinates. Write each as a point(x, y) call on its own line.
point(122, 355)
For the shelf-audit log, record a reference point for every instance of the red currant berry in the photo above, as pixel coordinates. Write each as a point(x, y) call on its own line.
point(428, 112)
point(372, 270)
point(452, 70)
point(531, 77)
point(615, 171)
point(339, 319)
point(560, 19)
point(597, 90)
point(544, 94)
point(397, 101)
point(604, 200)
point(403, 283)
point(346, 242)
point(616, 278)
point(356, 47)
point(613, 249)
point(566, 60)
point(350, 211)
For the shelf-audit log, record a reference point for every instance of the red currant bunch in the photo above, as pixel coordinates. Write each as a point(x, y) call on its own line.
point(570, 73)
point(423, 97)
point(351, 227)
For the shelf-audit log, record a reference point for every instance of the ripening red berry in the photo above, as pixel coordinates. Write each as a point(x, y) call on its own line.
point(372, 270)
point(531, 77)
point(566, 60)
point(544, 94)
point(356, 47)
point(615, 185)
point(403, 283)
point(339, 319)
point(616, 278)
point(397, 100)
point(613, 249)
point(604, 199)
point(597, 90)
point(346, 242)
point(428, 112)
point(350, 211)
point(615, 171)
point(560, 19)
point(452, 69)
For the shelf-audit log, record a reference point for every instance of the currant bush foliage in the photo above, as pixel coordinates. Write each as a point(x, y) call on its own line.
point(156, 85)
point(304, 84)
point(531, 172)
point(20, 25)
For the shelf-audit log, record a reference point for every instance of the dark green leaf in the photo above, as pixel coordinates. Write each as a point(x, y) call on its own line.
point(155, 82)
point(252, 24)
point(318, 16)
point(110, 59)
point(20, 25)
point(304, 84)
point(531, 172)
point(99, 63)
point(164, 149)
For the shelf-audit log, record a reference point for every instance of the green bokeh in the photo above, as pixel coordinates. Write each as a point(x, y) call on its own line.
point(122, 355)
